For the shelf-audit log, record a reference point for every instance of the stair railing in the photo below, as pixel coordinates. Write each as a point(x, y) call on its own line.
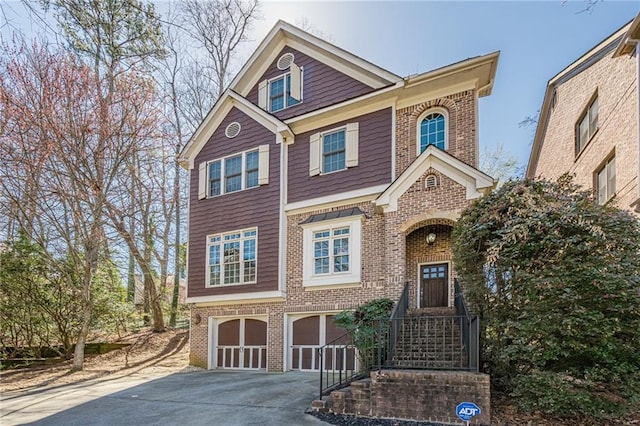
point(469, 327)
point(395, 322)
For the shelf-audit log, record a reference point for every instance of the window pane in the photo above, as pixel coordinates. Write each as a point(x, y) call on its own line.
point(232, 273)
point(251, 168)
point(233, 174)
point(214, 255)
point(602, 186)
point(249, 252)
point(341, 246)
point(322, 265)
point(231, 252)
point(584, 133)
point(432, 130)
point(290, 100)
point(593, 117)
point(249, 271)
point(341, 264)
point(252, 160)
point(611, 178)
point(252, 179)
point(214, 178)
point(276, 94)
point(333, 152)
point(321, 249)
point(214, 275)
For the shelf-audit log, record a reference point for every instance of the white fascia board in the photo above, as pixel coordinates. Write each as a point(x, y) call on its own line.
point(475, 181)
point(237, 298)
point(349, 197)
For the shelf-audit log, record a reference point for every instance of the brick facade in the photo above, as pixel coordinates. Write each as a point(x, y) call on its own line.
point(613, 81)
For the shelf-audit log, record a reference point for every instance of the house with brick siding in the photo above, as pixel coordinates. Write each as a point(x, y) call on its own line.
point(320, 181)
point(589, 121)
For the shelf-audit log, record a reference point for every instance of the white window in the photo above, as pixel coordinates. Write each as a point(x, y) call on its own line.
point(606, 181)
point(332, 252)
point(232, 258)
point(587, 125)
point(237, 172)
point(333, 150)
point(281, 92)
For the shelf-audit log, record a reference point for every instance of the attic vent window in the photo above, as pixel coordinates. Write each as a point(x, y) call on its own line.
point(232, 130)
point(430, 182)
point(285, 61)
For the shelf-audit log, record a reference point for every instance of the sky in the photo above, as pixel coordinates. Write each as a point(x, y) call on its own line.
point(536, 41)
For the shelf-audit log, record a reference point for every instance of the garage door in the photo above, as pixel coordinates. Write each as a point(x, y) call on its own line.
point(310, 334)
point(242, 344)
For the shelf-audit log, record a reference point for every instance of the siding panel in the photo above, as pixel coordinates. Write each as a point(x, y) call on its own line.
point(374, 160)
point(253, 207)
point(322, 85)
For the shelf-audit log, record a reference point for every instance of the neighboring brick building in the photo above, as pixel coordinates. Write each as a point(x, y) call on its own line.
point(320, 181)
point(588, 123)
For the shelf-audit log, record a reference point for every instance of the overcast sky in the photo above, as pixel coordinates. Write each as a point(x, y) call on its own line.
point(536, 40)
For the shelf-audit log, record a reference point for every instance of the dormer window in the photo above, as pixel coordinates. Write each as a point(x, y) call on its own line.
point(432, 129)
point(281, 92)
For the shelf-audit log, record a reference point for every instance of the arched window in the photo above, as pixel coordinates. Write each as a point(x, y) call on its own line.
point(433, 130)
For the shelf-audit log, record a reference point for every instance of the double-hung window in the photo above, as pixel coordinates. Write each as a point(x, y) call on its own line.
point(606, 181)
point(332, 252)
point(587, 125)
point(234, 173)
point(281, 92)
point(232, 258)
point(334, 150)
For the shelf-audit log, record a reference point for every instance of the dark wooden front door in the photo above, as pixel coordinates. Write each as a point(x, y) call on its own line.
point(434, 285)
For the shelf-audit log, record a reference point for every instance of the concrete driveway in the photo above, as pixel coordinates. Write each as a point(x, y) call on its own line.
point(198, 398)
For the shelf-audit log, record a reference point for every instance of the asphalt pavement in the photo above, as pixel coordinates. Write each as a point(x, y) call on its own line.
point(225, 398)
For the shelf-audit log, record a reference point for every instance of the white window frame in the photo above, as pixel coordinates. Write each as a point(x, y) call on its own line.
point(351, 143)
point(587, 117)
point(435, 110)
point(353, 276)
point(609, 164)
point(242, 240)
point(263, 171)
point(286, 98)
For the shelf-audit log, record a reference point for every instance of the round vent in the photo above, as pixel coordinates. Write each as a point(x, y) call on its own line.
point(285, 61)
point(431, 181)
point(232, 130)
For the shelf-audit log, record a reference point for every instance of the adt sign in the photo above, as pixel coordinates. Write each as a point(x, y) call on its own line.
point(466, 410)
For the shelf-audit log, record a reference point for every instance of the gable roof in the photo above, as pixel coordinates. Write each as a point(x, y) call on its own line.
point(285, 34)
point(219, 111)
point(475, 181)
point(594, 55)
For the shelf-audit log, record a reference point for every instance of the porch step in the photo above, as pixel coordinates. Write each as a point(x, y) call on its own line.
point(431, 312)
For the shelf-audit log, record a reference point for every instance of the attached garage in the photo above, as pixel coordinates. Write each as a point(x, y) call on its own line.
point(239, 343)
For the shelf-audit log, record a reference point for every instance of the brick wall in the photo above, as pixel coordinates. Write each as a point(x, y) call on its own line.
point(414, 395)
point(614, 79)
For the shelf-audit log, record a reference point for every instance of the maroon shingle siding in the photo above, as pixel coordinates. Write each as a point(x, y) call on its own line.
point(244, 209)
point(321, 86)
point(374, 160)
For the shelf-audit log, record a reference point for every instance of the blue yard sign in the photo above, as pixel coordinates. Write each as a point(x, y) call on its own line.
point(466, 410)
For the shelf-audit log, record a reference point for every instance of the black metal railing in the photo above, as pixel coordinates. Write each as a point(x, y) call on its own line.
point(402, 341)
point(469, 328)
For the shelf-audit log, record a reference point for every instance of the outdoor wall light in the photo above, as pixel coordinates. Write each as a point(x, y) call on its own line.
point(431, 238)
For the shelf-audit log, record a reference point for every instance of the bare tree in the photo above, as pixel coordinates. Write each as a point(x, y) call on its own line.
point(499, 164)
point(219, 27)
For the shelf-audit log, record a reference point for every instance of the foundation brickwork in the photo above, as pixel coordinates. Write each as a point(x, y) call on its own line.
point(414, 395)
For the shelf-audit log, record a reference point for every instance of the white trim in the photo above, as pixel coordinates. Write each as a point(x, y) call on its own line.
point(475, 181)
point(243, 172)
point(212, 342)
point(476, 137)
point(435, 110)
point(318, 287)
point(393, 142)
point(235, 298)
point(449, 280)
point(282, 219)
point(353, 276)
point(349, 197)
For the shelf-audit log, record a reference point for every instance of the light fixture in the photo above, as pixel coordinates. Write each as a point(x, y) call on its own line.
point(431, 238)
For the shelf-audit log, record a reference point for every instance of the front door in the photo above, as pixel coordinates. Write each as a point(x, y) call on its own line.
point(434, 285)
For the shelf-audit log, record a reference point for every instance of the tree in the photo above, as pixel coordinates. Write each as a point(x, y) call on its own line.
point(498, 164)
point(555, 277)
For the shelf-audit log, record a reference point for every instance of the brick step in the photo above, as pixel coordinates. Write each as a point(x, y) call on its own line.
point(444, 365)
